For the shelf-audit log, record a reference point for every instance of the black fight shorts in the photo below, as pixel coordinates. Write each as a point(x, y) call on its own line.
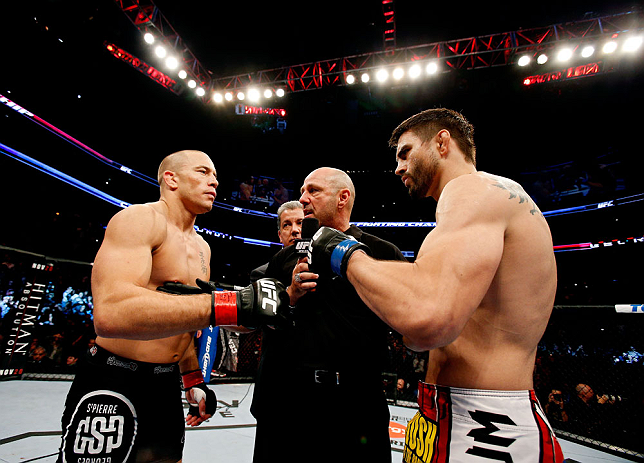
point(122, 411)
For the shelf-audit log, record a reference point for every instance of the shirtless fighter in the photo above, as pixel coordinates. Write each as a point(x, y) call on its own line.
point(125, 402)
point(478, 297)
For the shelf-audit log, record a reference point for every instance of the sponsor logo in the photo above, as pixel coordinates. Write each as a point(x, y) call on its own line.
point(205, 360)
point(120, 363)
point(397, 434)
point(101, 430)
point(99, 434)
point(302, 247)
point(167, 369)
point(420, 440)
point(485, 435)
point(269, 301)
point(629, 308)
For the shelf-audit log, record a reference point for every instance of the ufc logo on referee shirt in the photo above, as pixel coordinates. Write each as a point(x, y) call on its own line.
point(270, 291)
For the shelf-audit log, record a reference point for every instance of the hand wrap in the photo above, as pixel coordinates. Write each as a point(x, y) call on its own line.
point(194, 380)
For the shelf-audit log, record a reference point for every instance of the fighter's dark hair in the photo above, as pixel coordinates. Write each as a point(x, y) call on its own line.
point(428, 123)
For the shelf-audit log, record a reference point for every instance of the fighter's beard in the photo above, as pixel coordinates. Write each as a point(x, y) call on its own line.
point(420, 183)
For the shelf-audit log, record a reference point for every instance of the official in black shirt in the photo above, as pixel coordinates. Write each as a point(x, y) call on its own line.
point(319, 393)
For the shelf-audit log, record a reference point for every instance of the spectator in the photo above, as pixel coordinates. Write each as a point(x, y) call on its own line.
point(404, 391)
point(70, 364)
point(56, 354)
point(246, 189)
point(585, 412)
point(280, 195)
point(39, 362)
point(555, 410)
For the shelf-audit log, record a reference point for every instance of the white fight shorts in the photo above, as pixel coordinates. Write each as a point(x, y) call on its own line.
point(479, 426)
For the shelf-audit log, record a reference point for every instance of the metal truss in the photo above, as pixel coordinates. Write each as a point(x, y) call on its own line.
point(147, 17)
point(461, 54)
point(389, 34)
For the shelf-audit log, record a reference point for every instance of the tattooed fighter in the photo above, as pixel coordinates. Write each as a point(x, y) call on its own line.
point(478, 297)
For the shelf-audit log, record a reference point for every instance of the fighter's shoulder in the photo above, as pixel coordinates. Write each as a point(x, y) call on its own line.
point(482, 186)
point(493, 195)
point(150, 217)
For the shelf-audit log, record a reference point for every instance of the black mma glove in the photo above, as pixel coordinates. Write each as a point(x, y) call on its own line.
point(193, 382)
point(331, 249)
point(172, 287)
point(264, 302)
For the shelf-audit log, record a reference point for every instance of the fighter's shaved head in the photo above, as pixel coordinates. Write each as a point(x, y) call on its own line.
point(173, 162)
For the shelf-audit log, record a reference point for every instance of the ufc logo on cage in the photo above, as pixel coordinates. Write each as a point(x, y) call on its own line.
point(97, 434)
point(268, 288)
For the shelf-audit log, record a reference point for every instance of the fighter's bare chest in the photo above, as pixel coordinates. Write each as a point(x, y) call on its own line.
point(180, 259)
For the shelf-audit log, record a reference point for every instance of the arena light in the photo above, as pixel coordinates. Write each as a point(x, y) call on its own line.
point(382, 75)
point(160, 51)
point(192, 83)
point(399, 73)
point(253, 95)
point(414, 71)
point(432, 68)
point(149, 38)
point(632, 44)
point(365, 78)
point(609, 47)
point(229, 96)
point(200, 91)
point(542, 58)
point(268, 93)
point(564, 54)
point(171, 62)
point(241, 96)
point(351, 79)
point(588, 51)
point(279, 92)
point(524, 60)
point(183, 74)
point(217, 97)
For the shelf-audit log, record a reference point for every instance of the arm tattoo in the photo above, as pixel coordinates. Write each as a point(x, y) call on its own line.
point(516, 191)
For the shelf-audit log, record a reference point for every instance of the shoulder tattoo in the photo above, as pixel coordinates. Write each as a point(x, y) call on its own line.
point(516, 191)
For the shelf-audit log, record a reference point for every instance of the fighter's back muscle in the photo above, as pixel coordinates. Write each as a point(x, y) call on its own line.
point(496, 348)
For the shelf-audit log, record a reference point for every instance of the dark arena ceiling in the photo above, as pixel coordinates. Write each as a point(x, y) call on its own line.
point(553, 133)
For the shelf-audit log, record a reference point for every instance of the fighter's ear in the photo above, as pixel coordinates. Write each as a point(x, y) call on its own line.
point(443, 138)
point(170, 179)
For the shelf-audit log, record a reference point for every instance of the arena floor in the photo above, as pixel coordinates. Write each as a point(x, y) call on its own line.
point(31, 411)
